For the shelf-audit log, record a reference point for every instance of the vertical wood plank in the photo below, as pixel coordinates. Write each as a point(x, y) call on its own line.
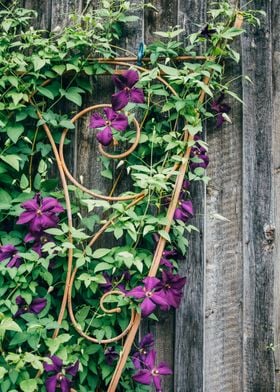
point(276, 183)
point(188, 357)
point(257, 206)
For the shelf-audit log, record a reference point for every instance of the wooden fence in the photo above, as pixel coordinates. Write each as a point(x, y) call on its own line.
point(218, 341)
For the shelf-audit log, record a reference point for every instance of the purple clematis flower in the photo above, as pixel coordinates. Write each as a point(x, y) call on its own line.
point(184, 211)
point(60, 378)
point(199, 152)
point(36, 306)
point(113, 120)
point(128, 93)
point(152, 373)
point(220, 108)
point(165, 260)
point(145, 346)
point(113, 282)
point(148, 292)
point(40, 213)
point(40, 239)
point(206, 32)
point(111, 355)
point(10, 252)
point(171, 288)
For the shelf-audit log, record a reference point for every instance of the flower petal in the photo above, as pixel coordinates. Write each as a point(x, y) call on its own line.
point(137, 95)
point(164, 369)
point(151, 282)
point(37, 305)
point(119, 81)
point(131, 77)
point(110, 114)
point(158, 299)
point(105, 137)
point(151, 359)
point(143, 377)
point(120, 123)
point(51, 383)
point(157, 383)
point(119, 100)
point(30, 205)
point(137, 292)
point(73, 369)
point(52, 205)
point(97, 121)
point(25, 217)
point(147, 307)
point(65, 384)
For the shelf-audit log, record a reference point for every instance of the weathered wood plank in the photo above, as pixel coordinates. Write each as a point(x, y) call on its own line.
point(257, 206)
point(276, 183)
point(189, 317)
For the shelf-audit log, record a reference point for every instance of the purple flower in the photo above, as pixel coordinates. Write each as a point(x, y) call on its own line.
point(198, 152)
point(145, 345)
point(184, 211)
point(36, 306)
point(206, 32)
point(60, 378)
point(171, 289)
point(148, 292)
point(166, 255)
point(113, 282)
point(10, 252)
point(40, 213)
point(113, 120)
point(152, 373)
point(127, 93)
point(111, 355)
point(40, 239)
point(221, 109)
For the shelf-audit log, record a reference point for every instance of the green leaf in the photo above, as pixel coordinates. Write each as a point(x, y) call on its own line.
point(99, 253)
point(29, 385)
point(54, 231)
point(59, 69)
point(169, 70)
point(23, 182)
point(3, 371)
point(14, 131)
point(38, 62)
point(7, 324)
point(46, 92)
point(12, 160)
point(231, 33)
point(67, 124)
point(165, 235)
point(73, 95)
point(103, 267)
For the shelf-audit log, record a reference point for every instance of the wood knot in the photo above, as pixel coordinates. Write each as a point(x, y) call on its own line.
point(269, 232)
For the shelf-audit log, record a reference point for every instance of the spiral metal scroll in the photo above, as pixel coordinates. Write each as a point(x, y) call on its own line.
point(132, 328)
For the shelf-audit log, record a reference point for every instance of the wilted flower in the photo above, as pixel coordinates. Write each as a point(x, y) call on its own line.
point(206, 32)
point(151, 374)
point(10, 252)
point(221, 109)
point(165, 259)
point(150, 295)
point(36, 306)
point(171, 289)
point(60, 378)
point(113, 120)
point(111, 355)
point(145, 346)
point(127, 93)
point(199, 157)
point(40, 213)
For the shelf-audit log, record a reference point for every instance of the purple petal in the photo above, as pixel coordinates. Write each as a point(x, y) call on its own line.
point(110, 114)
point(150, 283)
point(65, 384)
point(25, 217)
point(137, 95)
point(137, 292)
point(119, 81)
point(120, 123)
point(151, 359)
point(20, 300)
point(157, 383)
point(29, 237)
point(220, 120)
point(97, 121)
point(143, 377)
point(187, 207)
point(31, 205)
point(147, 307)
point(158, 299)
point(52, 205)
point(164, 369)
point(73, 369)
point(105, 137)
point(51, 383)
point(180, 215)
point(37, 305)
point(147, 341)
point(119, 100)
point(131, 77)
point(14, 262)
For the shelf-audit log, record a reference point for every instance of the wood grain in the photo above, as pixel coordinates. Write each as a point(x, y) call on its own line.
point(257, 207)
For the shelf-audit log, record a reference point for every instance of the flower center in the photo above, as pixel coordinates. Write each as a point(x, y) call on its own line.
point(143, 351)
point(25, 308)
point(39, 212)
point(155, 372)
point(126, 89)
point(149, 294)
point(60, 377)
point(167, 285)
point(108, 123)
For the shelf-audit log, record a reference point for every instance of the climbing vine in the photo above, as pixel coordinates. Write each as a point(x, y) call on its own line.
point(70, 304)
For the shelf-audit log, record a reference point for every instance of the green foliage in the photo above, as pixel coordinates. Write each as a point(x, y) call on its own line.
point(41, 72)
